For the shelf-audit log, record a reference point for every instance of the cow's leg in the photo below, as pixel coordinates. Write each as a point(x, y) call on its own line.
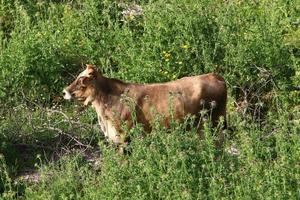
point(122, 140)
point(219, 121)
point(215, 117)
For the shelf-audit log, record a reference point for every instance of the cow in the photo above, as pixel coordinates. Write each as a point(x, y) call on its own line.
point(115, 101)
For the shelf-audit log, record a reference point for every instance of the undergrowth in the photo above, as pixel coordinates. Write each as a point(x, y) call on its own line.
point(175, 164)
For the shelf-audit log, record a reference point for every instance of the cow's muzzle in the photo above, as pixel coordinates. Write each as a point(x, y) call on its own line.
point(67, 95)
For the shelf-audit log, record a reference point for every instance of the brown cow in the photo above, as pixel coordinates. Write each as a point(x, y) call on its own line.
point(115, 100)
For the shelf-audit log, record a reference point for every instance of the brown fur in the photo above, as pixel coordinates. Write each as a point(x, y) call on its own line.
point(115, 100)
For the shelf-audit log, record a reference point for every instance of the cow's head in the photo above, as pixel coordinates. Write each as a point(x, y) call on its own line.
point(82, 88)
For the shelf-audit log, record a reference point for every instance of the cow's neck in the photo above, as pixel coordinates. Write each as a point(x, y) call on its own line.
point(108, 92)
point(107, 95)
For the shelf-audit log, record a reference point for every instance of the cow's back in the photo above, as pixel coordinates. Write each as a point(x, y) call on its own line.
point(184, 96)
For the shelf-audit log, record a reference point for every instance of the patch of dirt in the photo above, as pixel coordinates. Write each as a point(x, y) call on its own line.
point(32, 175)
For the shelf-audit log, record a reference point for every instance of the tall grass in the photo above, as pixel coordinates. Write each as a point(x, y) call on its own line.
point(177, 165)
point(245, 41)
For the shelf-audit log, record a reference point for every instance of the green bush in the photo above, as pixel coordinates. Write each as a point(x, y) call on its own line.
point(175, 164)
point(42, 43)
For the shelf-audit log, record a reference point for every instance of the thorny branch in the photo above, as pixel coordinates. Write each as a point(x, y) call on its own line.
point(64, 137)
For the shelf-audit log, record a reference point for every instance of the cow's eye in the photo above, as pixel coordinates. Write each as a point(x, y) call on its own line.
point(78, 87)
point(80, 81)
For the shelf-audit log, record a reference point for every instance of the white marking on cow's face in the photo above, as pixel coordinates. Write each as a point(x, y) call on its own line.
point(67, 95)
point(83, 74)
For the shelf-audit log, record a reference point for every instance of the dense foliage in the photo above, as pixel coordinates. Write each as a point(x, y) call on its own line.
point(254, 45)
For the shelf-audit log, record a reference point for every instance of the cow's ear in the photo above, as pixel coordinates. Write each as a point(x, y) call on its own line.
point(83, 81)
point(91, 70)
point(90, 67)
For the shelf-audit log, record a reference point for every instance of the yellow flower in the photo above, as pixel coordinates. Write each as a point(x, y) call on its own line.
point(185, 46)
point(130, 17)
point(167, 55)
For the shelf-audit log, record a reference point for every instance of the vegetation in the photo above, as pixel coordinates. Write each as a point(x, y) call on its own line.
point(254, 45)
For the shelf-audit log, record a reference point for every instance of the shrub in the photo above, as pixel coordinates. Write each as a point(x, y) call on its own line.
point(43, 43)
